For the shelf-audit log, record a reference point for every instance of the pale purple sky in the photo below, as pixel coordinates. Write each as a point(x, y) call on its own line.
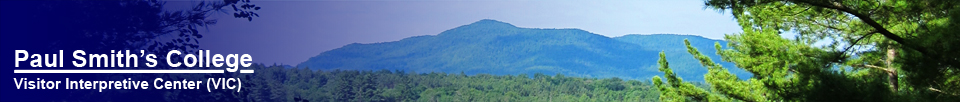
point(290, 32)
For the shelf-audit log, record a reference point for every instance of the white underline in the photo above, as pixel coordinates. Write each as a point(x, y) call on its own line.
point(123, 71)
point(246, 71)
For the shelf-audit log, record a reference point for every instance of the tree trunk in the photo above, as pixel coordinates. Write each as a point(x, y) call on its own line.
point(892, 78)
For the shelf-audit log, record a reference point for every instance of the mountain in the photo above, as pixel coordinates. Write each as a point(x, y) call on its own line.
point(682, 62)
point(494, 47)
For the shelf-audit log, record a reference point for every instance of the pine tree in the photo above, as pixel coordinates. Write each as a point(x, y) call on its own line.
point(889, 50)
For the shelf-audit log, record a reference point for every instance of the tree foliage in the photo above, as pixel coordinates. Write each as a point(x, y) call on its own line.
point(277, 83)
point(885, 50)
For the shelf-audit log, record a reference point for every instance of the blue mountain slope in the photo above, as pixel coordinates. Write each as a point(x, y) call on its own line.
point(494, 47)
point(680, 60)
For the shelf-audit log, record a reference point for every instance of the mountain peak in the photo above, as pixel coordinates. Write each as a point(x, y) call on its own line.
point(491, 23)
point(498, 48)
point(481, 27)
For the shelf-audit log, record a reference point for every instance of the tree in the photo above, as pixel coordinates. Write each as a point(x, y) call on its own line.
point(886, 50)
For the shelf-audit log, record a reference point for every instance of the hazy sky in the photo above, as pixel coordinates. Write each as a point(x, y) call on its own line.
point(290, 32)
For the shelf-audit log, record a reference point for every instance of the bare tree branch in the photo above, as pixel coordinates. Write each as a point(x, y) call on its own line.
point(938, 90)
point(840, 54)
point(874, 67)
point(866, 19)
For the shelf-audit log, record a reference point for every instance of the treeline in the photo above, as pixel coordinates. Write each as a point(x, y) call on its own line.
point(279, 84)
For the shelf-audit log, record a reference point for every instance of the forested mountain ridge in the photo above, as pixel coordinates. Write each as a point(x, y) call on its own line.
point(687, 65)
point(498, 48)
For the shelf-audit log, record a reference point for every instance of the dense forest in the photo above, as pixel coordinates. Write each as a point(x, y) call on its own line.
point(279, 84)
